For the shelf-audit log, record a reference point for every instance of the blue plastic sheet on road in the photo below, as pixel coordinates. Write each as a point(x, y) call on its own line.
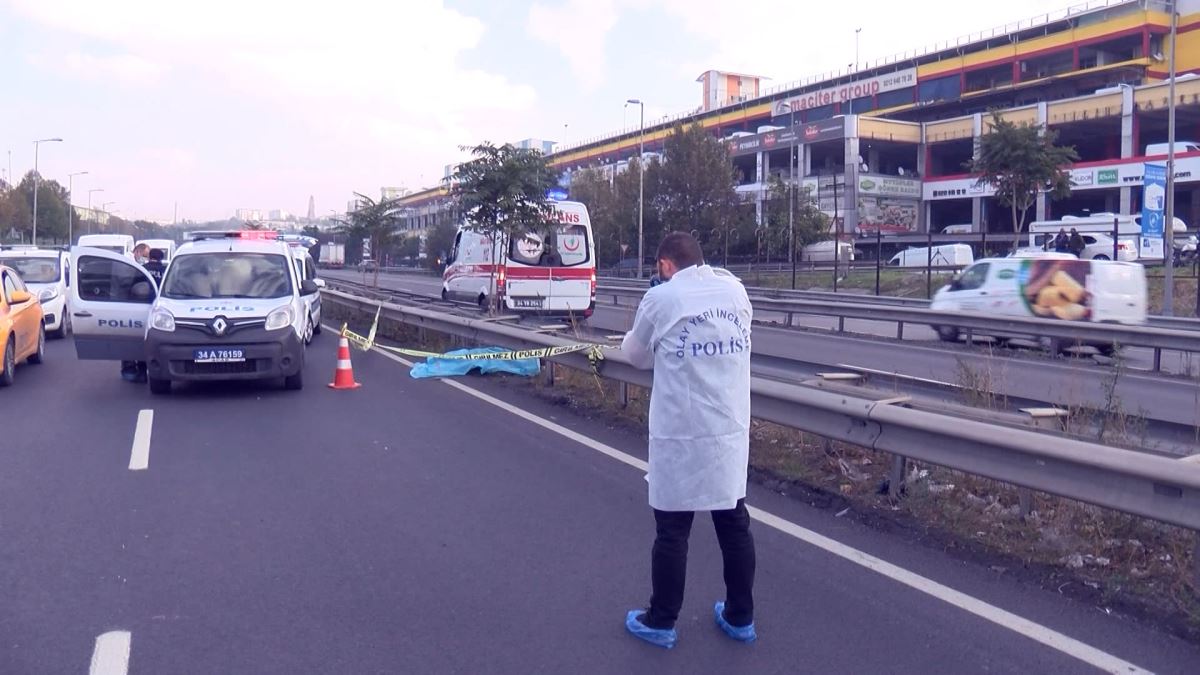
point(439, 367)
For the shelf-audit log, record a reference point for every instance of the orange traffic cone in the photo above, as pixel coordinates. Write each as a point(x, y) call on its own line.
point(343, 377)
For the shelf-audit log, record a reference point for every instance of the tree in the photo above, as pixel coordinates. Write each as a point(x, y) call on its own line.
point(409, 248)
point(1018, 161)
point(438, 242)
point(502, 193)
point(695, 188)
point(612, 202)
point(374, 222)
point(808, 223)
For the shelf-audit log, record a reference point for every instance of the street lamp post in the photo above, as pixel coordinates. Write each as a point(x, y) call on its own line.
point(641, 178)
point(90, 212)
point(71, 209)
point(104, 208)
point(1168, 308)
point(37, 178)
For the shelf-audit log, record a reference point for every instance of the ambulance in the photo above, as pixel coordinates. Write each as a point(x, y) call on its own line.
point(550, 274)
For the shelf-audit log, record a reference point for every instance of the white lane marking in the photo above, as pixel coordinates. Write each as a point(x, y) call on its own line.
point(111, 654)
point(139, 457)
point(1047, 636)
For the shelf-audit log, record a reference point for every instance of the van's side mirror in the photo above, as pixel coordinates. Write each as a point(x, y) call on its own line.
point(308, 287)
point(320, 283)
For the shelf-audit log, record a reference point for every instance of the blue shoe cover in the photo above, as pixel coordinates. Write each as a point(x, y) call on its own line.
point(739, 633)
point(661, 637)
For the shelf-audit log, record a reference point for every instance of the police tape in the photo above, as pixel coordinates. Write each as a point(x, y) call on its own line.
point(595, 352)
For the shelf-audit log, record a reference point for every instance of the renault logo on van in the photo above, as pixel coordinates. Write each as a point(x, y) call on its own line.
point(219, 326)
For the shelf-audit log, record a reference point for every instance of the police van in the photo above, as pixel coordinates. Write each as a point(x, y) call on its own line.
point(230, 308)
point(552, 274)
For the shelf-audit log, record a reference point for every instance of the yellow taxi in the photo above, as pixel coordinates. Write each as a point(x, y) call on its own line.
point(22, 326)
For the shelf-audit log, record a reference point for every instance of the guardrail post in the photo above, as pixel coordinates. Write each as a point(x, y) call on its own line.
point(896, 479)
point(841, 324)
point(1196, 560)
point(1040, 418)
point(899, 330)
point(623, 394)
point(789, 319)
point(1157, 359)
point(550, 373)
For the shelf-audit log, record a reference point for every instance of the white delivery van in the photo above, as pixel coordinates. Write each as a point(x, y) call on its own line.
point(552, 274)
point(121, 244)
point(1058, 287)
point(167, 247)
point(960, 228)
point(822, 251)
point(945, 255)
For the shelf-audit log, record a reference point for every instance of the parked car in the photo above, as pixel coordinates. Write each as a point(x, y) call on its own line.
point(22, 328)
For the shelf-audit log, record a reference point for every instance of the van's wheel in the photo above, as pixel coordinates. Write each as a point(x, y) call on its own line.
point(1107, 350)
point(1101, 257)
point(294, 382)
point(482, 302)
point(309, 331)
point(160, 386)
point(445, 295)
point(946, 333)
point(40, 355)
point(10, 364)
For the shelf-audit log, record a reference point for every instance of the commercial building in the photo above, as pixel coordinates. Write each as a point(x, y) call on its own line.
point(885, 145)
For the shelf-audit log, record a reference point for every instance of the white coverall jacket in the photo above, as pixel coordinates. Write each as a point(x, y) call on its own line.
point(695, 332)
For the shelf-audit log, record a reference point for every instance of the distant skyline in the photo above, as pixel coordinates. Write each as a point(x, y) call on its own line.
point(259, 104)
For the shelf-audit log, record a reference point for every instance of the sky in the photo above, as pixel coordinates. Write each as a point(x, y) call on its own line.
point(224, 104)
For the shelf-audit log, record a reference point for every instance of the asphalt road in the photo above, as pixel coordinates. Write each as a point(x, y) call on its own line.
point(409, 526)
point(1065, 382)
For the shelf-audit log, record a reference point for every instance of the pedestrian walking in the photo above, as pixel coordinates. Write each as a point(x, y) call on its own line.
point(1062, 242)
point(693, 329)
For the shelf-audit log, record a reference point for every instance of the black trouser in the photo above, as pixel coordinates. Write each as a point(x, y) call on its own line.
point(669, 565)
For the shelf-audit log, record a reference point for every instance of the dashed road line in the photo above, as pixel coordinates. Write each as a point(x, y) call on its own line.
point(139, 456)
point(111, 654)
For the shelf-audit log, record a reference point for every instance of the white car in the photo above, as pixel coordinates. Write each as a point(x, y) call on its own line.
point(230, 308)
point(47, 274)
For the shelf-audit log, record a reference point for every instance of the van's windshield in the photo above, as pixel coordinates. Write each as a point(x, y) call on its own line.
point(227, 275)
point(568, 247)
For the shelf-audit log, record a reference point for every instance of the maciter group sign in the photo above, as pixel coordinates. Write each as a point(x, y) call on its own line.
point(847, 92)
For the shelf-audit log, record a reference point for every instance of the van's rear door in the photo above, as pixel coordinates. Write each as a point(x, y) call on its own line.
point(1118, 292)
point(572, 280)
point(527, 281)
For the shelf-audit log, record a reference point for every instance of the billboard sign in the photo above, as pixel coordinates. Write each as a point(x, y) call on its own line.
point(844, 93)
point(1154, 203)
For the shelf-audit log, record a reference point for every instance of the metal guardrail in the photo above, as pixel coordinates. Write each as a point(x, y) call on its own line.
point(1163, 333)
point(1158, 488)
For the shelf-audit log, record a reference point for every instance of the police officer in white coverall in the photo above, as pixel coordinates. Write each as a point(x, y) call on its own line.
point(694, 331)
